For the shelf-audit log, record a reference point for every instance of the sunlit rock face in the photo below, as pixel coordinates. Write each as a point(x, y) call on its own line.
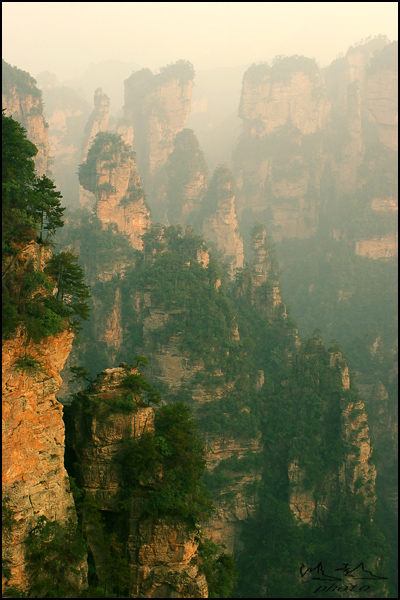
point(385, 246)
point(310, 134)
point(34, 479)
point(158, 107)
point(162, 551)
point(22, 101)
point(111, 175)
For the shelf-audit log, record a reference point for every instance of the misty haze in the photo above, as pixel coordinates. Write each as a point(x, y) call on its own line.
point(199, 276)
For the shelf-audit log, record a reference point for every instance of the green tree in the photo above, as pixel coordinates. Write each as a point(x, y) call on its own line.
point(220, 571)
point(18, 178)
point(46, 206)
point(72, 291)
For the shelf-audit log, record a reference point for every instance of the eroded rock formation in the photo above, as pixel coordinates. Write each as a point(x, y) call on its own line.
point(110, 173)
point(310, 135)
point(158, 107)
point(98, 121)
point(22, 100)
point(180, 185)
point(161, 551)
point(35, 482)
point(356, 475)
point(220, 226)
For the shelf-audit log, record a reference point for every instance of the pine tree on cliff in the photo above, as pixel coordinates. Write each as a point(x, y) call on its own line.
point(31, 206)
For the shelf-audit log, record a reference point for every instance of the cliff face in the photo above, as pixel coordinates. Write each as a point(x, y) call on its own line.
point(356, 474)
point(280, 106)
point(238, 501)
point(98, 121)
point(158, 107)
point(35, 482)
point(261, 282)
point(180, 184)
point(161, 551)
point(309, 135)
point(23, 101)
point(66, 113)
point(110, 173)
point(221, 227)
point(285, 92)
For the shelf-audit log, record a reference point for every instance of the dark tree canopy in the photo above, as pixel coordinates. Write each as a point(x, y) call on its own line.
point(32, 211)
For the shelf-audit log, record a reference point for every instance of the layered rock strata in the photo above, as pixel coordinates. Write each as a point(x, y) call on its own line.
point(22, 101)
point(162, 551)
point(35, 482)
point(356, 475)
point(110, 173)
point(221, 226)
point(98, 121)
point(158, 107)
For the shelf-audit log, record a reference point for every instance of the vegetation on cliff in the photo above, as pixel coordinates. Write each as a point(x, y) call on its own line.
point(296, 410)
point(185, 167)
point(158, 472)
point(21, 80)
point(32, 212)
point(105, 150)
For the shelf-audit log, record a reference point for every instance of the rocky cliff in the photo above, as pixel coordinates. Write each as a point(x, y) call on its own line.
point(309, 135)
point(291, 90)
point(35, 482)
point(161, 552)
point(280, 107)
point(221, 226)
point(98, 121)
point(66, 113)
point(158, 107)
point(23, 101)
point(356, 473)
point(180, 185)
point(110, 173)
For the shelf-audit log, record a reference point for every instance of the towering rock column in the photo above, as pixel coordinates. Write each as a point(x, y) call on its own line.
point(111, 175)
point(98, 121)
point(35, 482)
point(277, 175)
point(23, 102)
point(158, 107)
point(221, 226)
point(161, 551)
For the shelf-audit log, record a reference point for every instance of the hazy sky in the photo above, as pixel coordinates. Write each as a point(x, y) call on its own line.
point(66, 37)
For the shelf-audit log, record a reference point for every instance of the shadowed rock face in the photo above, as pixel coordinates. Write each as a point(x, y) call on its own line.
point(158, 107)
point(162, 551)
point(34, 479)
point(356, 467)
point(23, 102)
point(98, 121)
point(221, 226)
point(180, 184)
